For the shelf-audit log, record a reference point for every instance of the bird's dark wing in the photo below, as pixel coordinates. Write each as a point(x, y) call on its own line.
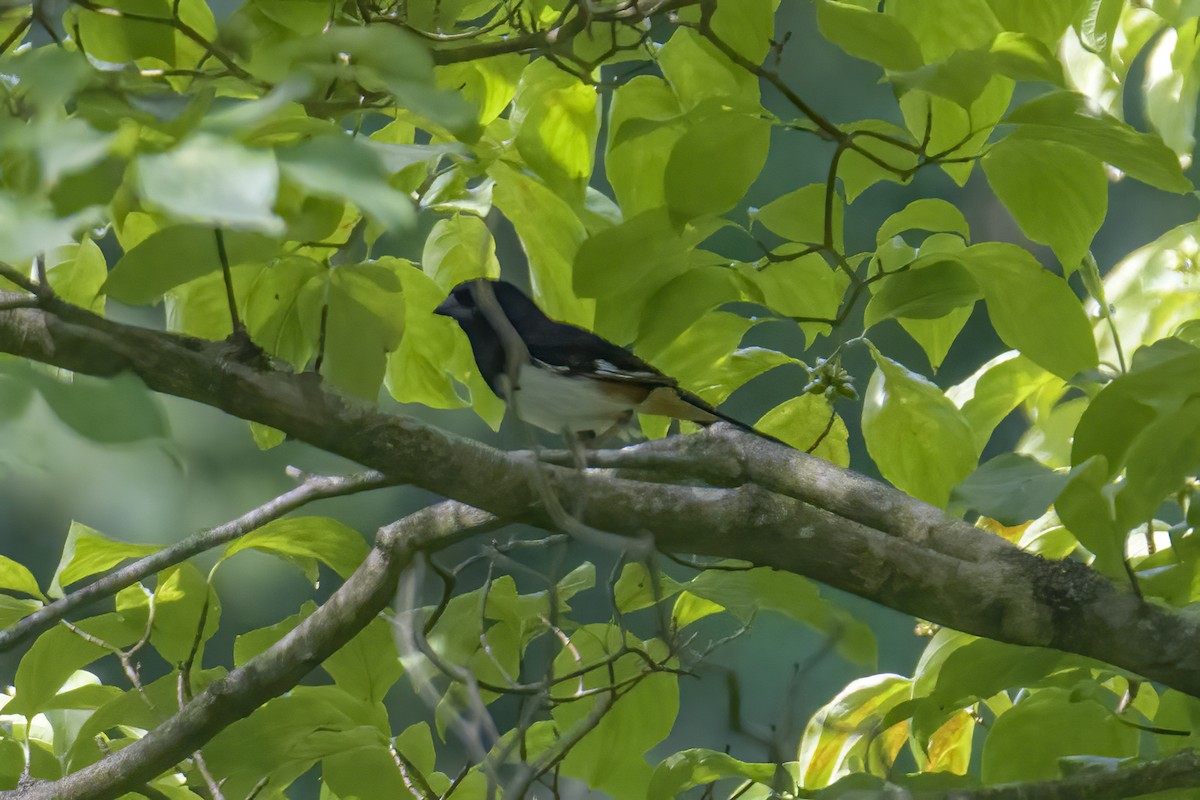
point(575, 351)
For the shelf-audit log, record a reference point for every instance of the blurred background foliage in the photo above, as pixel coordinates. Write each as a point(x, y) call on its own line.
point(182, 467)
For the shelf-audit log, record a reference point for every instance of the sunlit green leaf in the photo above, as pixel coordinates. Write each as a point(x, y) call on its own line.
point(917, 438)
point(697, 767)
point(1032, 310)
point(88, 552)
point(1069, 118)
point(303, 540)
point(367, 665)
point(1026, 742)
point(868, 34)
point(15, 577)
point(926, 214)
point(713, 164)
point(556, 118)
point(809, 423)
point(926, 291)
point(1057, 194)
point(842, 735)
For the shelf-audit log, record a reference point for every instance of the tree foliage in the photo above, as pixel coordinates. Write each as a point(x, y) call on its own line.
point(298, 183)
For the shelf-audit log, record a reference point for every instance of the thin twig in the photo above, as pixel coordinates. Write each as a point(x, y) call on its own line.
point(312, 487)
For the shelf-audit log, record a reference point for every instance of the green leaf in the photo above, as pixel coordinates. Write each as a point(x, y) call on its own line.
point(942, 27)
point(744, 593)
point(364, 321)
point(858, 173)
point(213, 181)
point(610, 756)
point(919, 441)
point(1056, 193)
point(459, 248)
point(1010, 488)
point(367, 665)
point(697, 767)
point(58, 652)
point(1161, 379)
point(960, 77)
point(346, 169)
point(77, 274)
point(698, 72)
point(556, 118)
point(88, 552)
point(271, 309)
point(1171, 84)
point(845, 732)
point(1162, 457)
point(712, 166)
point(15, 577)
point(176, 255)
point(1033, 310)
point(1026, 742)
point(29, 227)
point(1045, 20)
point(1070, 118)
point(809, 423)
point(488, 84)
point(676, 306)
point(926, 214)
point(281, 740)
point(958, 669)
point(807, 288)
point(550, 235)
point(925, 291)
point(706, 358)
point(118, 39)
point(433, 349)
point(247, 645)
point(1023, 57)
point(954, 132)
point(303, 540)
point(996, 388)
point(799, 216)
point(1086, 508)
point(182, 598)
point(868, 34)
point(645, 120)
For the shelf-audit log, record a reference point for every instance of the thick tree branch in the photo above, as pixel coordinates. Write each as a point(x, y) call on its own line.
point(1180, 771)
point(764, 504)
point(312, 487)
point(367, 592)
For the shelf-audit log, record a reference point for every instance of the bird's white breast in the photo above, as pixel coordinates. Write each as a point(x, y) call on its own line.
point(557, 402)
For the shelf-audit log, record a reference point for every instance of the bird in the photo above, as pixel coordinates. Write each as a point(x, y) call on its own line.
point(568, 379)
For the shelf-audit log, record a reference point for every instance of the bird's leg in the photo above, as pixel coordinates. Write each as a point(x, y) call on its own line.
point(577, 444)
point(578, 447)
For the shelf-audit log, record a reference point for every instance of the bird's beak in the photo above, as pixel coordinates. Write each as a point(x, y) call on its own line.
point(447, 307)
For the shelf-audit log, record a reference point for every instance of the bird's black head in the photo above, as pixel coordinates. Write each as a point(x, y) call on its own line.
point(463, 303)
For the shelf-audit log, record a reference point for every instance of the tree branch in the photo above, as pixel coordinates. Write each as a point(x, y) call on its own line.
point(764, 504)
point(1180, 771)
point(312, 487)
point(277, 669)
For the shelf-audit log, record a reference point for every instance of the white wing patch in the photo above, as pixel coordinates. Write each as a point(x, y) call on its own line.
point(607, 369)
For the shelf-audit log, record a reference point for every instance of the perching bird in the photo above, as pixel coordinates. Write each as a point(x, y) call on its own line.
point(568, 378)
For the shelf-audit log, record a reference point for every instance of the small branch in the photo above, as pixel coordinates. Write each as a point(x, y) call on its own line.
point(313, 487)
point(280, 667)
